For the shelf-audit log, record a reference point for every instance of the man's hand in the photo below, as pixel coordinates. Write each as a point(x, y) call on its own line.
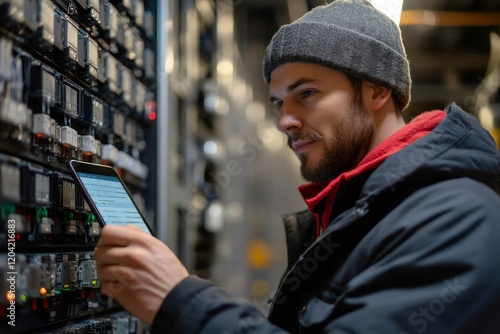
point(136, 269)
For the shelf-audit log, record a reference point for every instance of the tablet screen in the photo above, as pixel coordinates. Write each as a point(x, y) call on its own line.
point(112, 200)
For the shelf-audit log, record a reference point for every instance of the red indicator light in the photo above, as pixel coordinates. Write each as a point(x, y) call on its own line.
point(150, 109)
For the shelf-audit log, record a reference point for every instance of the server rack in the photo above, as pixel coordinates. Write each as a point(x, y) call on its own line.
point(77, 81)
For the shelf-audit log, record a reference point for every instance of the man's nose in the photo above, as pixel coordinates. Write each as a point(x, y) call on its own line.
point(288, 121)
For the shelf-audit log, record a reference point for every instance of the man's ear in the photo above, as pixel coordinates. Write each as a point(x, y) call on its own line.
point(376, 96)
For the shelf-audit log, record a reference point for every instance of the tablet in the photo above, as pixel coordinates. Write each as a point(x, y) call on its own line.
point(107, 195)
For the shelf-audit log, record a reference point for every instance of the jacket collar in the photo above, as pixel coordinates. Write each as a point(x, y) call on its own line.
point(320, 196)
point(457, 147)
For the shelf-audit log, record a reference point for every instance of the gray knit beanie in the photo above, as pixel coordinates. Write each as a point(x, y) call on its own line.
point(350, 36)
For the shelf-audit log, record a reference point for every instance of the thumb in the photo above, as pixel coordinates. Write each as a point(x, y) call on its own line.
point(132, 226)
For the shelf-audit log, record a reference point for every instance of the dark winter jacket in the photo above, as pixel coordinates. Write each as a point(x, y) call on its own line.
point(414, 252)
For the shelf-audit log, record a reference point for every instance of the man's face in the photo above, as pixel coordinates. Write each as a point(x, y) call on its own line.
point(327, 127)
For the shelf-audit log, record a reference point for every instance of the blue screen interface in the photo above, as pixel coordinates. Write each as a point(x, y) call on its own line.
point(112, 200)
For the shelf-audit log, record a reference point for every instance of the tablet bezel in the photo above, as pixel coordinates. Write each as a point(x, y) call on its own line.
point(77, 166)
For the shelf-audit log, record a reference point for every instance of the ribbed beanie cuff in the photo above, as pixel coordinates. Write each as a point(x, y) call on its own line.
point(350, 36)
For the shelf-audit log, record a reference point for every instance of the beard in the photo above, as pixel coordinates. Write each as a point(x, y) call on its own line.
point(350, 142)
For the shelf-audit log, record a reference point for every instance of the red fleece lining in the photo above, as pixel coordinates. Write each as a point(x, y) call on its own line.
point(315, 193)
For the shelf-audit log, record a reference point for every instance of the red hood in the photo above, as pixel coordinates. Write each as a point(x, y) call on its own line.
point(315, 193)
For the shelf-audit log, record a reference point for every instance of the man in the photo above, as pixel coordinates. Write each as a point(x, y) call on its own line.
point(403, 221)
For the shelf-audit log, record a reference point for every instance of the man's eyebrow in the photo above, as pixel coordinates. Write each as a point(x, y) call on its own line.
point(299, 82)
point(294, 85)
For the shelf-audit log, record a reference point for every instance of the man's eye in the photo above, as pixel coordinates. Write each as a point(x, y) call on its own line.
point(277, 104)
point(277, 107)
point(307, 93)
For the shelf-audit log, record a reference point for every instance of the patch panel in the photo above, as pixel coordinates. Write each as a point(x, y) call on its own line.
point(149, 63)
point(140, 98)
point(59, 285)
point(20, 225)
point(37, 278)
point(126, 82)
point(121, 31)
point(78, 53)
point(44, 126)
point(42, 189)
point(109, 64)
point(44, 91)
point(6, 59)
point(74, 87)
point(131, 132)
point(39, 15)
point(66, 272)
point(89, 145)
point(93, 111)
point(92, 14)
point(124, 5)
point(10, 182)
point(132, 165)
point(49, 226)
point(71, 99)
point(108, 20)
point(138, 51)
point(44, 226)
point(87, 274)
point(16, 117)
point(68, 194)
point(88, 57)
point(16, 113)
point(35, 186)
point(13, 12)
point(149, 24)
point(109, 154)
point(69, 137)
point(138, 6)
point(129, 39)
point(47, 27)
point(65, 39)
point(118, 123)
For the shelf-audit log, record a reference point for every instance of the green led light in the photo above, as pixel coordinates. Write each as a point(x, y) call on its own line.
point(7, 209)
point(94, 282)
point(90, 218)
point(24, 298)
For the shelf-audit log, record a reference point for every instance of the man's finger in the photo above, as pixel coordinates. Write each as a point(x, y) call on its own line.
point(116, 236)
point(109, 255)
point(135, 227)
point(116, 273)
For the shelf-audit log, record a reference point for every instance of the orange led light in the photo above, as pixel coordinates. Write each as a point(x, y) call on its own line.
point(10, 296)
point(43, 291)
